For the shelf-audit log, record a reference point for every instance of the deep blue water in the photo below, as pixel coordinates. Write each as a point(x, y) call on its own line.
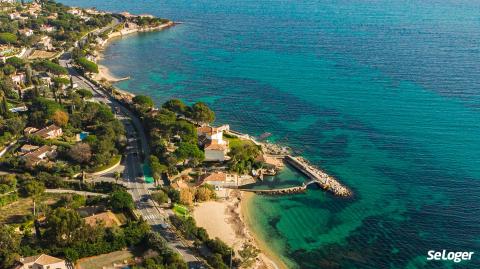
point(382, 94)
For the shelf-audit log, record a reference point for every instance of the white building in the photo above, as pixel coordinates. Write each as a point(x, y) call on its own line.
point(215, 152)
point(45, 43)
point(47, 28)
point(215, 146)
point(26, 32)
point(220, 180)
point(19, 79)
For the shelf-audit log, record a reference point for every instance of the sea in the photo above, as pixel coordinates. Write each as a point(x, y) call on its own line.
point(384, 95)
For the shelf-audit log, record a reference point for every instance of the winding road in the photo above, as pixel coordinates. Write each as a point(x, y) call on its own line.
point(133, 173)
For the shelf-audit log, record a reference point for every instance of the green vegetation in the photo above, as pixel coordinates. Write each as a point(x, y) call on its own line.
point(243, 156)
point(88, 66)
point(50, 66)
point(180, 210)
point(220, 253)
point(143, 101)
point(121, 201)
point(7, 38)
point(160, 197)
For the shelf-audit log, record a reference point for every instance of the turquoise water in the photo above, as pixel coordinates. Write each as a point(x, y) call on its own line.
point(382, 94)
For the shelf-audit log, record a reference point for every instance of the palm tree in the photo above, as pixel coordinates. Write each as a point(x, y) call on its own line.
point(117, 175)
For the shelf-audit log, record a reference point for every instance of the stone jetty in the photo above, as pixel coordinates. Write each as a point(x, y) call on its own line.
point(318, 176)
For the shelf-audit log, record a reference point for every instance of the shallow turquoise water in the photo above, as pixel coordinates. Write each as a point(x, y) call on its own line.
point(382, 94)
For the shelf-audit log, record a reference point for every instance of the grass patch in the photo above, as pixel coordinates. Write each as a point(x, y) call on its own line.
point(234, 141)
point(180, 210)
point(105, 260)
point(111, 163)
point(19, 210)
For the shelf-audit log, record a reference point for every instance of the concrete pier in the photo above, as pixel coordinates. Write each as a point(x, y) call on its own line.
point(318, 176)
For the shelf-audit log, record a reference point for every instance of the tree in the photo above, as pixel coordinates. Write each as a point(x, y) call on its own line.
point(157, 168)
point(176, 106)
point(189, 151)
point(9, 69)
point(85, 94)
point(186, 196)
point(9, 245)
point(160, 197)
point(15, 62)
point(7, 38)
point(143, 100)
point(204, 193)
point(33, 189)
point(121, 200)
point(88, 66)
point(81, 153)
point(248, 253)
point(117, 175)
point(201, 113)
point(63, 225)
point(60, 118)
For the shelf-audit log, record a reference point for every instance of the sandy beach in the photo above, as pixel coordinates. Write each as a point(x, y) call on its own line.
point(225, 219)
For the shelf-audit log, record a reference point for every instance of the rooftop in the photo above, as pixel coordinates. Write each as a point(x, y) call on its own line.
point(42, 259)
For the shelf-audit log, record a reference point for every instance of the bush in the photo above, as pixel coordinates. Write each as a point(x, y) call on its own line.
point(7, 38)
point(87, 65)
point(121, 201)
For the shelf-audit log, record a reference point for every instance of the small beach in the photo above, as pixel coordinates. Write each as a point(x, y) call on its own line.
point(226, 219)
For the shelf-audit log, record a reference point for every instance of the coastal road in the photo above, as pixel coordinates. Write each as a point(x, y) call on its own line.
point(133, 173)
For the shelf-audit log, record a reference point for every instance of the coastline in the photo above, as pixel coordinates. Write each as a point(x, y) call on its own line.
point(103, 71)
point(226, 219)
point(273, 258)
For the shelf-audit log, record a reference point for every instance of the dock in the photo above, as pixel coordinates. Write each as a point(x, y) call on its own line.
point(317, 176)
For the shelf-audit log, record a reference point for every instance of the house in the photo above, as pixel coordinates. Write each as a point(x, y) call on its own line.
point(26, 32)
point(211, 138)
point(19, 79)
point(45, 78)
point(15, 16)
point(50, 132)
point(219, 180)
point(75, 11)
point(28, 148)
point(35, 157)
point(41, 261)
point(213, 133)
point(215, 152)
point(47, 28)
point(45, 43)
point(107, 219)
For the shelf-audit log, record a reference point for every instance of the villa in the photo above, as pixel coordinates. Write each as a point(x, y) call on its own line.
point(215, 151)
point(50, 132)
point(26, 32)
point(45, 43)
point(47, 28)
point(41, 261)
point(15, 16)
point(75, 11)
point(39, 155)
point(211, 138)
point(219, 180)
point(45, 78)
point(19, 79)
